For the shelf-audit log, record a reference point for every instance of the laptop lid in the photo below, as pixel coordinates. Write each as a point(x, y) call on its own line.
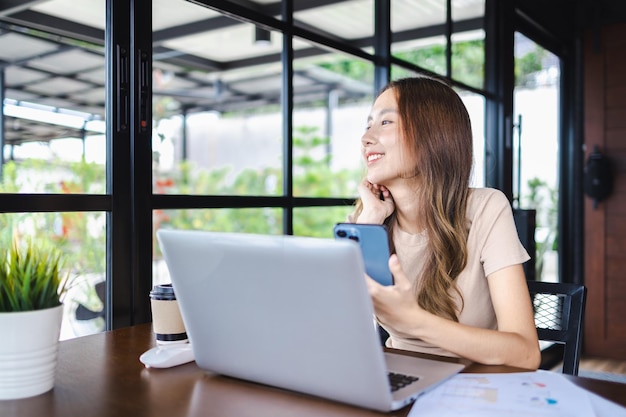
point(291, 312)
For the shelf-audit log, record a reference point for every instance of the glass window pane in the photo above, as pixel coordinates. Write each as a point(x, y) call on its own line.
point(319, 221)
point(398, 72)
point(536, 144)
point(428, 53)
point(419, 33)
point(468, 58)
point(81, 238)
point(54, 103)
point(351, 20)
point(414, 15)
point(217, 119)
point(332, 95)
point(475, 104)
point(263, 220)
point(468, 42)
point(246, 220)
point(35, 175)
point(466, 10)
point(177, 13)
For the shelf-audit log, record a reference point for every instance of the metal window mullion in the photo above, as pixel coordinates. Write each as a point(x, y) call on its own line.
point(118, 299)
point(499, 82)
point(2, 120)
point(382, 43)
point(141, 157)
point(287, 110)
point(449, 39)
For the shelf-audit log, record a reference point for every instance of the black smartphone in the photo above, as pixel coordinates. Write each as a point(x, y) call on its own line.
point(374, 243)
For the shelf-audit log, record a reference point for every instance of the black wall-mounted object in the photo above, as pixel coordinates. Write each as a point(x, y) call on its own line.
point(598, 182)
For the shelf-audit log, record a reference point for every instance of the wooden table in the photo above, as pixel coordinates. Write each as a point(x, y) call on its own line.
point(100, 375)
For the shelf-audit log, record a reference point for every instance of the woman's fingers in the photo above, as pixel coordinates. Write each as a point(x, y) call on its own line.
point(377, 202)
point(399, 277)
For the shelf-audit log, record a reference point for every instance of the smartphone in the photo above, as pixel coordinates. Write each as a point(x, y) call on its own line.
point(374, 243)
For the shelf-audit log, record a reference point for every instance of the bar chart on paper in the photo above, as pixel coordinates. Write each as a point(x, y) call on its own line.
point(526, 394)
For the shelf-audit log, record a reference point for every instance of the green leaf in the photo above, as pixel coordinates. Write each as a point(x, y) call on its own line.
point(31, 277)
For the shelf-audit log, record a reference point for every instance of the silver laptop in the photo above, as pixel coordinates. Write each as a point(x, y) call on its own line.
point(290, 312)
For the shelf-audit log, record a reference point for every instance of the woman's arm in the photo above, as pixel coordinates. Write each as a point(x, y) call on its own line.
point(514, 343)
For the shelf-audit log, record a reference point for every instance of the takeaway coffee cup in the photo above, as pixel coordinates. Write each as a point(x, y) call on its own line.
point(167, 323)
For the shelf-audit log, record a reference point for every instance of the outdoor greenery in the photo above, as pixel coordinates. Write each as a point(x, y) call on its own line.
point(528, 64)
point(468, 63)
point(31, 277)
point(544, 199)
point(312, 177)
point(81, 236)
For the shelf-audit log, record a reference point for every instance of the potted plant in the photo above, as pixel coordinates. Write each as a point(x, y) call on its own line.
point(32, 286)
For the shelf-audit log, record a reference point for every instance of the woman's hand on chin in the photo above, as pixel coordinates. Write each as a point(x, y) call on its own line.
point(377, 203)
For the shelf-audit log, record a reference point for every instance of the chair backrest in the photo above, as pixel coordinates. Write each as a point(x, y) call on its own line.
point(559, 309)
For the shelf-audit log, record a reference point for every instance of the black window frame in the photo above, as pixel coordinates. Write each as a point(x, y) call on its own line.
point(130, 202)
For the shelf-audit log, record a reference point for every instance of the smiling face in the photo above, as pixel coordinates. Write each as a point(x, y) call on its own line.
point(381, 145)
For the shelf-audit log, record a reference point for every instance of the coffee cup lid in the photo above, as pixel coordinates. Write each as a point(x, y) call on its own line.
point(163, 292)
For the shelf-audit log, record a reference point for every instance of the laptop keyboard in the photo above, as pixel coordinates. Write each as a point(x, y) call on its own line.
point(398, 381)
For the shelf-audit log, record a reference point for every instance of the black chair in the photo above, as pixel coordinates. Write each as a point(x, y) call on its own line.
point(559, 309)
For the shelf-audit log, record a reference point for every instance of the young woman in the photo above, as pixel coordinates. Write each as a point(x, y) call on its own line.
point(460, 289)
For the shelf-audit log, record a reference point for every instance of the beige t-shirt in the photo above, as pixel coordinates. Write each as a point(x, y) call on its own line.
point(492, 244)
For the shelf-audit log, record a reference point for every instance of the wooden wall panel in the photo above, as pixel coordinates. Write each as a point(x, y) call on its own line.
point(615, 138)
point(615, 246)
point(605, 227)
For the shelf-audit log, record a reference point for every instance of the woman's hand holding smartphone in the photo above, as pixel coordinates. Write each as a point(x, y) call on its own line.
point(374, 244)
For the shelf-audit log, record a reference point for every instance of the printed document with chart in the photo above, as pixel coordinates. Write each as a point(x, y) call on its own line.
point(523, 394)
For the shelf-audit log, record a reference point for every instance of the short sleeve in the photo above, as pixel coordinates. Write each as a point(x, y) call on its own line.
point(494, 232)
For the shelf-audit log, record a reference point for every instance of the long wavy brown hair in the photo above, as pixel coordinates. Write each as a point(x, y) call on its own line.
point(437, 137)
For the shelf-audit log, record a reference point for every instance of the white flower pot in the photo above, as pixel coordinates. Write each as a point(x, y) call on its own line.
point(28, 352)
